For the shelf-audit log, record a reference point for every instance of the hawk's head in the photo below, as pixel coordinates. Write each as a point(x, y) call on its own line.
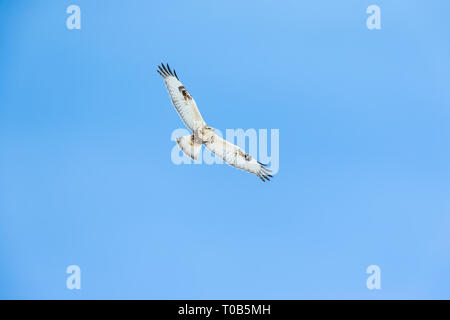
point(205, 134)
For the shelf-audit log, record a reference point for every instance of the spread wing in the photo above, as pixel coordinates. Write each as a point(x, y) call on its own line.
point(181, 99)
point(238, 158)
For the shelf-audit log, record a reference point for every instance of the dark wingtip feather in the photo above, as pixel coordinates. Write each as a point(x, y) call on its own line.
point(263, 175)
point(265, 169)
point(170, 71)
point(164, 67)
point(263, 164)
point(162, 71)
point(165, 71)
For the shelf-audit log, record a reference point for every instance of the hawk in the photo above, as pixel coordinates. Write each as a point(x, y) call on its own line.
point(202, 134)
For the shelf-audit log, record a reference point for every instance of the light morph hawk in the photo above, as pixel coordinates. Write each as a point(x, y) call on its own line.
point(203, 134)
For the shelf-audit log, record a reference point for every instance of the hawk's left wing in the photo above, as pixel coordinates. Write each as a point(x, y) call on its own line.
point(181, 99)
point(236, 157)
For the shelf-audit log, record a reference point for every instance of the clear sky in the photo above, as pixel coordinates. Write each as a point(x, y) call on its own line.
point(86, 176)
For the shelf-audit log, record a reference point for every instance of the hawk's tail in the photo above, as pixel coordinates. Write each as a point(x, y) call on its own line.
point(189, 147)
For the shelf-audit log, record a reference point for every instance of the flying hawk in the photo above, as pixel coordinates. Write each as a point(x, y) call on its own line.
point(203, 134)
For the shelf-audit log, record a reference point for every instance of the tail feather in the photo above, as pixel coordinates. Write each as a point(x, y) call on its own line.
point(189, 147)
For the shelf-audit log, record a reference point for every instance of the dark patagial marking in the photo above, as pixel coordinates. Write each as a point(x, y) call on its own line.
point(245, 155)
point(185, 93)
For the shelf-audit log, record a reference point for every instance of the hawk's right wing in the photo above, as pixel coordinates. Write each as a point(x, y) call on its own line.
point(181, 99)
point(238, 158)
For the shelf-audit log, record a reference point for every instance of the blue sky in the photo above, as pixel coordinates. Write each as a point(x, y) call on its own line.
point(86, 176)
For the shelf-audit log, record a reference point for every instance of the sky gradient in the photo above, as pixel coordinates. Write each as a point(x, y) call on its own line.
point(86, 176)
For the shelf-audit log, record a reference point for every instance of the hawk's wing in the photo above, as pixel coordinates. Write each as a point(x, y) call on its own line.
point(181, 99)
point(236, 157)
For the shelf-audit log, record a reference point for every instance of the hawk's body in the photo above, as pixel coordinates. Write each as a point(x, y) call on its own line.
point(203, 134)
